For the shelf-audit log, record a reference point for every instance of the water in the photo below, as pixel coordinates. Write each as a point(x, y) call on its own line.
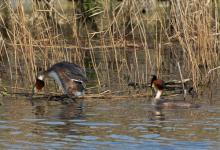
point(106, 124)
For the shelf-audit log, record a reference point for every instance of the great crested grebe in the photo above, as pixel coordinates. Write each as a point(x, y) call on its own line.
point(70, 78)
point(159, 85)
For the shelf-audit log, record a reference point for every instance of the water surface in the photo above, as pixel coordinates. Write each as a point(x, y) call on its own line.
point(106, 124)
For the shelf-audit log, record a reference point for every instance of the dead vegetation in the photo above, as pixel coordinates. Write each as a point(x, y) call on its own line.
point(116, 41)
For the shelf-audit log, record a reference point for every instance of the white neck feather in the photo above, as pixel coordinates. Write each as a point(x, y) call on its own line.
point(41, 77)
point(54, 76)
point(157, 98)
point(159, 92)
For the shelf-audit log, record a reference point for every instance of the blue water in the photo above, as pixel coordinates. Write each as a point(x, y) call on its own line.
point(106, 124)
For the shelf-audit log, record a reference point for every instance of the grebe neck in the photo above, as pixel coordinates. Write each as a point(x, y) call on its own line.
point(157, 100)
point(158, 94)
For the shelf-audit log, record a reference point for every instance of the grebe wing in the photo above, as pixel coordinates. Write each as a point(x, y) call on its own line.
point(76, 75)
point(72, 70)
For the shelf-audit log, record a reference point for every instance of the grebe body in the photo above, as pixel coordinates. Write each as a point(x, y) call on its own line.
point(172, 104)
point(70, 78)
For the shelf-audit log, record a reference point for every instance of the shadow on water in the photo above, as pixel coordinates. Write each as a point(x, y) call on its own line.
point(73, 110)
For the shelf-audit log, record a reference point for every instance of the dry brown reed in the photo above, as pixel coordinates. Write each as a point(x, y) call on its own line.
point(195, 26)
point(120, 41)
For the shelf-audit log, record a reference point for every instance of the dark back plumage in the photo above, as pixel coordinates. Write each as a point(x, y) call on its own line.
point(71, 70)
point(158, 84)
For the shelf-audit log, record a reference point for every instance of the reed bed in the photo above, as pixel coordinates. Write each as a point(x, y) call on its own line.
point(116, 41)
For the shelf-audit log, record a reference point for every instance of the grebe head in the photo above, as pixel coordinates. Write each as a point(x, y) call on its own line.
point(154, 77)
point(40, 81)
point(39, 84)
point(40, 76)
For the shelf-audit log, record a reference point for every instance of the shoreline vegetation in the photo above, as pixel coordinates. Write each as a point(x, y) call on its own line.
point(117, 41)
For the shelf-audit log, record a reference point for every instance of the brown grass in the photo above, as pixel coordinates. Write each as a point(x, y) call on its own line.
point(134, 39)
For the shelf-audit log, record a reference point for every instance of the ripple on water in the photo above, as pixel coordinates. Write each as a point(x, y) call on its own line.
point(15, 132)
point(32, 120)
point(117, 127)
point(3, 121)
point(76, 120)
point(96, 124)
point(145, 125)
point(7, 127)
point(122, 137)
point(150, 136)
point(203, 145)
point(53, 123)
point(77, 137)
point(215, 118)
point(51, 133)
